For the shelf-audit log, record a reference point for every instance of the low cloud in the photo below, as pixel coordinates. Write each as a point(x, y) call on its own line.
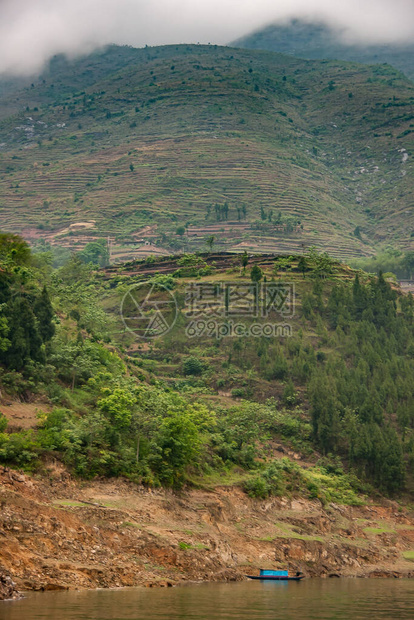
point(33, 31)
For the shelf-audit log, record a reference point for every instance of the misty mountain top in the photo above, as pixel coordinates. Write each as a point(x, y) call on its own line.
point(317, 40)
point(33, 32)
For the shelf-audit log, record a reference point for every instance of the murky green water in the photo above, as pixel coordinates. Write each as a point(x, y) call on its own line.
point(347, 599)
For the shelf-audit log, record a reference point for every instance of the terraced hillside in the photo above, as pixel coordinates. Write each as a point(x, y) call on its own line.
point(261, 151)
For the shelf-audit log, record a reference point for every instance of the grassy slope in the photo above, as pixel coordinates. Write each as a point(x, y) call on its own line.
point(202, 125)
point(235, 369)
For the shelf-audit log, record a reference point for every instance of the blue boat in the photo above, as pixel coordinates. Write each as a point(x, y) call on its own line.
point(276, 575)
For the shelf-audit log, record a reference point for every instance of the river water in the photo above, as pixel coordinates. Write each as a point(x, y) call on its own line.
point(319, 599)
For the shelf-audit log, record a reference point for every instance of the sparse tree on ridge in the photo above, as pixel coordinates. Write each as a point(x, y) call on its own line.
point(210, 241)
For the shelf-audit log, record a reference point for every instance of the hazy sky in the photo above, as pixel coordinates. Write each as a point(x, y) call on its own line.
point(31, 31)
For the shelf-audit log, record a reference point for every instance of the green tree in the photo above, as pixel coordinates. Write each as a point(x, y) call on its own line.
point(96, 253)
point(210, 242)
point(256, 273)
point(324, 411)
point(408, 263)
point(3, 423)
point(23, 334)
point(75, 271)
point(117, 404)
point(13, 249)
point(303, 265)
point(4, 330)
point(44, 314)
point(244, 261)
point(176, 444)
point(289, 394)
point(193, 366)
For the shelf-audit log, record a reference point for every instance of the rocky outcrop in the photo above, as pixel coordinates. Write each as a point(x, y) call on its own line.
point(8, 588)
point(330, 558)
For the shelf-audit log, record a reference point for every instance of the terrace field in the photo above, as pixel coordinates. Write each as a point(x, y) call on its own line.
point(175, 144)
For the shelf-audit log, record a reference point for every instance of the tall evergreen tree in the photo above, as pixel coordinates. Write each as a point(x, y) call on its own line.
point(25, 340)
point(44, 314)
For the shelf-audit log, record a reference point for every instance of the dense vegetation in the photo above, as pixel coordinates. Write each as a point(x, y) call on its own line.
point(338, 391)
point(392, 261)
point(175, 144)
point(354, 396)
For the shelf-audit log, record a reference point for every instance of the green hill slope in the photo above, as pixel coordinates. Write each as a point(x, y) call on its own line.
point(318, 41)
point(263, 151)
point(289, 447)
point(182, 370)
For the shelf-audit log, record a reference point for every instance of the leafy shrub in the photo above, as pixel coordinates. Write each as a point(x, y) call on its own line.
point(238, 393)
point(3, 423)
point(19, 449)
point(193, 366)
point(289, 395)
point(175, 446)
point(272, 480)
point(257, 487)
point(278, 370)
point(163, 281)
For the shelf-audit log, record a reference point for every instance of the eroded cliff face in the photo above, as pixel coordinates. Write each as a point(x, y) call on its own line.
point(56, 533)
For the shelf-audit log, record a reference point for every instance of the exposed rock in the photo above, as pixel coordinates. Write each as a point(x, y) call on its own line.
point(8, 588)
point(57, 534)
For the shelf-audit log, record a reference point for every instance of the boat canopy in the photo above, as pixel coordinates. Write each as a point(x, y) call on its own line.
point(273, 573)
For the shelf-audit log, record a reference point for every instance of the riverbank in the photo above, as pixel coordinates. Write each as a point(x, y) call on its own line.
point(57, 534)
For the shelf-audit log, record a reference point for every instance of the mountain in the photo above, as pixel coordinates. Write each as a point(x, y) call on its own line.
point(161, 148)
point(318, 41)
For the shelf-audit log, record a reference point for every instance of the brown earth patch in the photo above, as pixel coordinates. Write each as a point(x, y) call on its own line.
point(23, 415)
